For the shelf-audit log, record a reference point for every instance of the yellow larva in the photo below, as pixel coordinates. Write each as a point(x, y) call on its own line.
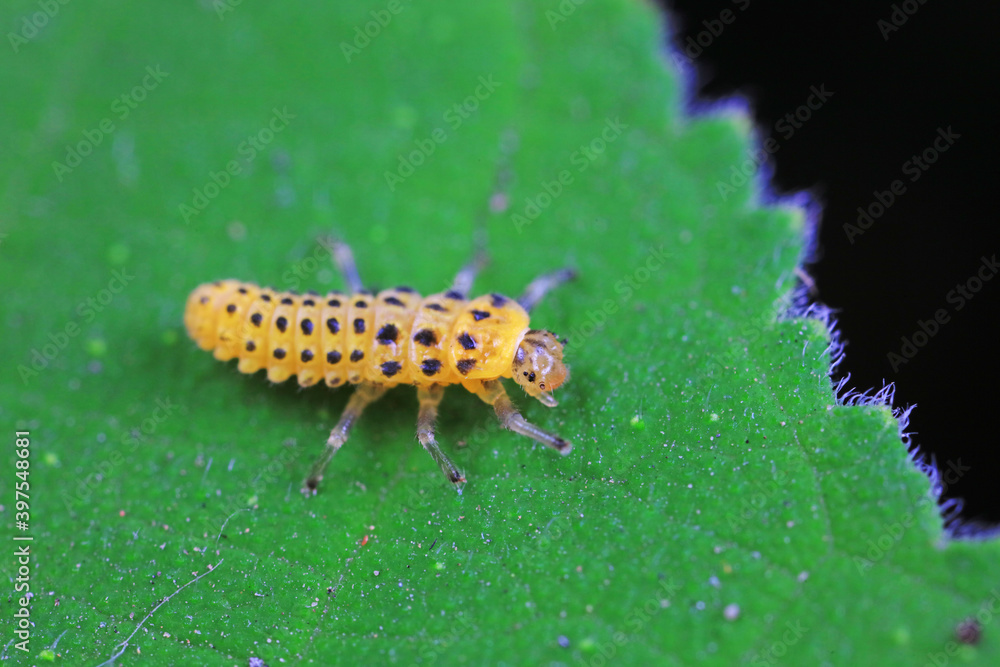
point(378, 341)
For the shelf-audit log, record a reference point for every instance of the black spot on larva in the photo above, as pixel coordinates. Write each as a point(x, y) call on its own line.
point(242, 290)
point(256, 318)
point(534, 342)
point(332, 357)
point(312, 292)
point(387, 334)
point(307, 327)
point(279, 353)
point(360, 304)
point(436, 306)
point(405, 289)
point(425, 337)
point(333, 303)
point(357, 355)
point(287, 301)
point(531, 376)
point(231, 308)
point(306, 356)
point(251, 346)
point(265, 297)
point(359, 325)
point(281, 323)
point(452, 294)
point(203, 299)
point(465, 365)
point(480, 315)
point(466, 341)
point(498, 300)
point(333, 382)
point(430, 367)
point(390, 368)
point(393, 301)
point(309, 302)
point(333, 325)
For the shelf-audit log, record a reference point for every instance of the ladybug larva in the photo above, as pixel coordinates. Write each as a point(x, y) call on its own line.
point(378, 341)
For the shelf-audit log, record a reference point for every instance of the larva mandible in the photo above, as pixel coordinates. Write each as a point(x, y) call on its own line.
point(378, 341)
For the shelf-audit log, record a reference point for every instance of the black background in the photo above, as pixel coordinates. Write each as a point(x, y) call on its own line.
point(892, 90)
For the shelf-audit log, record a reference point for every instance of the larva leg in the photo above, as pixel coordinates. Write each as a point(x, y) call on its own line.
point(492, 392)
point(542, 285)
point(467, 275)
point(344, 259)
point(365, 394)
point(430, 398)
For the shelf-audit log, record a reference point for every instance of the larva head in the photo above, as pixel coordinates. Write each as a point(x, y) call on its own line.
point(538, 365)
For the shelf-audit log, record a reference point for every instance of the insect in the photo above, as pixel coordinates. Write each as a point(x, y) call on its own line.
point(378, 341)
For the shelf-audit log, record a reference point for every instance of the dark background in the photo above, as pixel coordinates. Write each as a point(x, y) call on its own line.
point(892, 90)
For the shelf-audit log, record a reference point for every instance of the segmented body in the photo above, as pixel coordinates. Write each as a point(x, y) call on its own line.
point(393, 337)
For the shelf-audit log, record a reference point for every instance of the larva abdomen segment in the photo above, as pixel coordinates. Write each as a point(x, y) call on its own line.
point(394, 337)
point(332, 316)
point(428, 339)
point(285, 333)
point(307, 341)
point(281, 354)
point(357, 336)
point(213, 314)
point(395, 310)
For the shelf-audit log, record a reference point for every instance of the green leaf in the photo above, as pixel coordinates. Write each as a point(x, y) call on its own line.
point(720, 504)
